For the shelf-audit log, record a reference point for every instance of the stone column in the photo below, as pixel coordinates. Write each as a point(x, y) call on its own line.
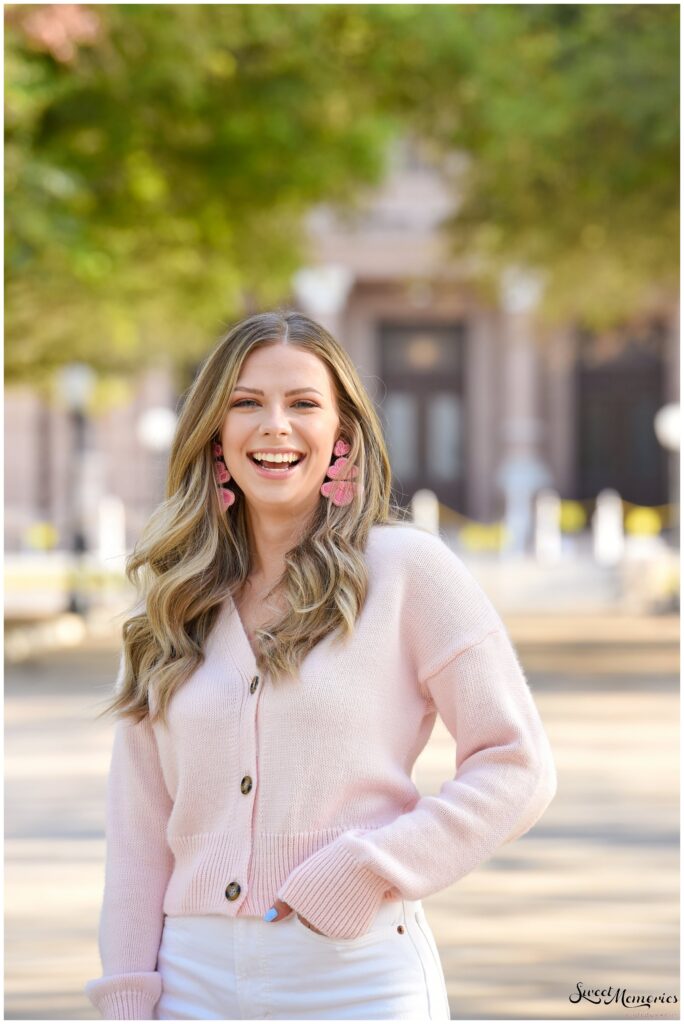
point(522, 471)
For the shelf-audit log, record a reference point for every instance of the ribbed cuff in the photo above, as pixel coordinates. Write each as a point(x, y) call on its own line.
point(125, 996)
point(334, 893)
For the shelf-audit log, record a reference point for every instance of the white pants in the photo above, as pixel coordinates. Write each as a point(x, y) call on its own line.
point(245, 968)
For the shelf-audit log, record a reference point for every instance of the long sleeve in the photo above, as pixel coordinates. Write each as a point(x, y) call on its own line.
point(138, 866)
point(505, 774)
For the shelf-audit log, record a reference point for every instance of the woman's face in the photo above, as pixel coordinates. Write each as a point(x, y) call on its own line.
point(262, 415)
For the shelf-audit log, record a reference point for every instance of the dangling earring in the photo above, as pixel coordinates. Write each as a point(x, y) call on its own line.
point(340, 489)
point(222, 476)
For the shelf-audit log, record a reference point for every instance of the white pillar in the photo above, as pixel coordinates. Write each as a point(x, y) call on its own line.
point(608, 533)
point(425, 510)
point(547, 531)
point(111, 546)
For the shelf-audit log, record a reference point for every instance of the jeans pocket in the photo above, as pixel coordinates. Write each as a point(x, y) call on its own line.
point(378, 929)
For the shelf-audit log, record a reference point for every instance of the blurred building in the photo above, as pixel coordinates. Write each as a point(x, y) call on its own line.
point(466, 390)
point(469, 393)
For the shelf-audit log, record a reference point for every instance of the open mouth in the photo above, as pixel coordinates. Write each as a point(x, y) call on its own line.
point(276, 468)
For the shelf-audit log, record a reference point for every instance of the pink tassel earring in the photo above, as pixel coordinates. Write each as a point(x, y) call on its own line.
point(340, 489)
point(222, 476)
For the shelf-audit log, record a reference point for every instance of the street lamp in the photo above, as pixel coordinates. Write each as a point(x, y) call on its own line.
point(322, 291)
point(156, 427)
point(75, 383)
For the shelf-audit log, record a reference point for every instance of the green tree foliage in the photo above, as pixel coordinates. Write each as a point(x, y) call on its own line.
point(570, 116)
point(160, 158)
point(161, 174)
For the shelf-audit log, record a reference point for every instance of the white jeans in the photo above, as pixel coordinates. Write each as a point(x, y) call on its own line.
point(245, 968)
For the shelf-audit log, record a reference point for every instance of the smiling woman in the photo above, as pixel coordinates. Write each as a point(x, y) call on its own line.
point(286, 542)
point(278, 427)
point(267, 850)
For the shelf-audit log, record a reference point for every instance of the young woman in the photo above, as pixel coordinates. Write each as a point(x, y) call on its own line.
point(267, 850)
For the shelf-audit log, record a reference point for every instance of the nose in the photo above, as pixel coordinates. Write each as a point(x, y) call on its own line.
point(274, 420)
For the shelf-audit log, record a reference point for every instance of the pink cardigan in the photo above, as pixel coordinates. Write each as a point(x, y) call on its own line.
point(304, 792)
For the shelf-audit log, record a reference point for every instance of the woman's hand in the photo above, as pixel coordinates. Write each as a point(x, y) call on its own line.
point(284, 909)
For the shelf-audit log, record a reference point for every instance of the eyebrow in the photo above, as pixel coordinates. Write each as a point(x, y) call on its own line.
point(256, 391)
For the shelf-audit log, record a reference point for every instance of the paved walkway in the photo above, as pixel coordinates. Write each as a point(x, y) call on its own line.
point(588, 897)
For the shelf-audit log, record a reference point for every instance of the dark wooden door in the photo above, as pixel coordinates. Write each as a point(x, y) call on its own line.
point(619, 391)
point(423, 410)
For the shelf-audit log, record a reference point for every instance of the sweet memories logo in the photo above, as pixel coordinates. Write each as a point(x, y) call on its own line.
point(621, 997)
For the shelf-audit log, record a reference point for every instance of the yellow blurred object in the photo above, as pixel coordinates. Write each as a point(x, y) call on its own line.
point(110, 392)
point(573, 518)
point(481, 536)
point(41, 536)
point(642, 520)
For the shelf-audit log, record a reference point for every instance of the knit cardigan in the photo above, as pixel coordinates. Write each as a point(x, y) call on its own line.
point(303, 790)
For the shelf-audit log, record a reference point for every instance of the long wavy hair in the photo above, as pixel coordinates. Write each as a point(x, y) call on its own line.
point(193, 553)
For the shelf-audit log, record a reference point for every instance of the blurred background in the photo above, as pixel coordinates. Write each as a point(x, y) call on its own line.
point(481, 202)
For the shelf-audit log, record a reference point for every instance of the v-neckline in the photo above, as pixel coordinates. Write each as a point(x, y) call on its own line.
point(241, 627)
point(244, 657)
point(240, 649)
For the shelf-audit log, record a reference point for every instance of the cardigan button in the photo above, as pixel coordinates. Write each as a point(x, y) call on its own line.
point(232, 891)
point(253, 685)
point(246, 784)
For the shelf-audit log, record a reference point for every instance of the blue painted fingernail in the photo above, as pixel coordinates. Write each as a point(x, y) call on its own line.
point(270, 914)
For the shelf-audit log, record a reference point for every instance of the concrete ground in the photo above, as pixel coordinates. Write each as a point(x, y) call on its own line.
point(589, 897)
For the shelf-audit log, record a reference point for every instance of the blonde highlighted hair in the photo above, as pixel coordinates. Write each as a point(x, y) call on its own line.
point(193, 553)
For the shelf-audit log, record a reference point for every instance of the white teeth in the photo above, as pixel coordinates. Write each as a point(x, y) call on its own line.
point(273, 457)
